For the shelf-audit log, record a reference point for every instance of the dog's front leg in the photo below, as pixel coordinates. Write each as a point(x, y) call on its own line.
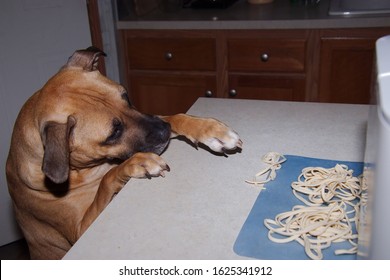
point(140, 165)
point(211, 132)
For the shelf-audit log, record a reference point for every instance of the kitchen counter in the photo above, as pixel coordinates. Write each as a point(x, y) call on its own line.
point(280, 14)
point(198, 209)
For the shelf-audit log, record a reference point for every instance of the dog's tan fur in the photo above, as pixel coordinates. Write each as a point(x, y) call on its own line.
point(76, 142)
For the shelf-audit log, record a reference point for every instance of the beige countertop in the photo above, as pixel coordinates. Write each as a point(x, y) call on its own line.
point(280, 14)
point(198, 209)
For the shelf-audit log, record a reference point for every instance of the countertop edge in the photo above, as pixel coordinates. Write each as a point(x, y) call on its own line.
point(261, 24)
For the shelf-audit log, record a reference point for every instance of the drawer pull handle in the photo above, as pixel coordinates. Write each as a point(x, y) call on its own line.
point(232, 93)
point(209, 93)
point(264, 57)
point(168, 56)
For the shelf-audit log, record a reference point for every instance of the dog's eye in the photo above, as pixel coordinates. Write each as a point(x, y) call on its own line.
point(116, 133)
point(125, 96)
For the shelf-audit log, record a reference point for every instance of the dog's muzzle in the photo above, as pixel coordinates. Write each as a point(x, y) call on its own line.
point(157, 134)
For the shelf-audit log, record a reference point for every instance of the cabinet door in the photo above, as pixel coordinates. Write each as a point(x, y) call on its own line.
point(346, 67)
point(288, 88)
point(167, 94)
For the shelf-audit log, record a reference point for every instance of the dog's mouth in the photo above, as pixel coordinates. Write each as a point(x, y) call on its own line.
point(157, 149)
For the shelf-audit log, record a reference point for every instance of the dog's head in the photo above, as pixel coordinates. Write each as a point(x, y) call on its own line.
point(87, 119)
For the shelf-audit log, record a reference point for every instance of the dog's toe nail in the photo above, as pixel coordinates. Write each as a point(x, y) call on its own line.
point(223, 151)
point(147, 174)
point(167, 168)
point(196, 144)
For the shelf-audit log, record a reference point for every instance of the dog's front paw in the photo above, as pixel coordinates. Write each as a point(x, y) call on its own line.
point(218, 136)
point(145, 165)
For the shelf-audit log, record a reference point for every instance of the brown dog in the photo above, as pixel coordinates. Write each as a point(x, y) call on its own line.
point(77, 141)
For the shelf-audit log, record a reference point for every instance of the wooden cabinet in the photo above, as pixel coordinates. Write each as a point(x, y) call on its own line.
point(167, 70)
point(267, 65)
point(266, 54)
point(171, 53)
point(267, 87)
point(346, 64)
point(164, 93)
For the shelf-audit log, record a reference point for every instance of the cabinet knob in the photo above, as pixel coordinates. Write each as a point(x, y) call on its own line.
point(232, 93)
point(208, 93)
point(168, 56)
point(264, 57)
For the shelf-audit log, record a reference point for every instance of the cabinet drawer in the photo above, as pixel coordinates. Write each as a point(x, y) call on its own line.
point(171, 53)
point(267, 87)
point(267, 55)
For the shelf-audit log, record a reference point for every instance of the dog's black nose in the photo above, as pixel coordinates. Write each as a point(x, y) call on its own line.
point(162, 131)
point(157, 131)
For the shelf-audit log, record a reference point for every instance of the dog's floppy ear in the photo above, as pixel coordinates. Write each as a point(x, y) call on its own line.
point(55, 138)
point(86, 59)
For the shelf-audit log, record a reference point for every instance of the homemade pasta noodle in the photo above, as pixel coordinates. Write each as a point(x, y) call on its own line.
point(314, 227)
point(274, 161)
point(331, 197)
point(323, 185)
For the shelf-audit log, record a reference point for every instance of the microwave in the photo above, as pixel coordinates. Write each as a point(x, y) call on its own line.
point(374, 221)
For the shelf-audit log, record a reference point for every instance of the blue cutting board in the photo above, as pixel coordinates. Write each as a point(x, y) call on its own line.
point(253, 241)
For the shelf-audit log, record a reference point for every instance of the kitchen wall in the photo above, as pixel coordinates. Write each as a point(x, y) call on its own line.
point(36, 39)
